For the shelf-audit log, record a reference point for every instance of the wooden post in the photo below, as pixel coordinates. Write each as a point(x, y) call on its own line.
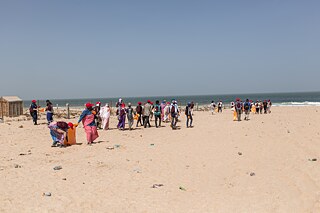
point(2, 117)
point(68, 111)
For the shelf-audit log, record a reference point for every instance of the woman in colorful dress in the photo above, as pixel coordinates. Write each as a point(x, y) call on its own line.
point(88, 120)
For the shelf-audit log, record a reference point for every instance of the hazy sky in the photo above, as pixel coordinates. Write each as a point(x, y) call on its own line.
point(74, 49)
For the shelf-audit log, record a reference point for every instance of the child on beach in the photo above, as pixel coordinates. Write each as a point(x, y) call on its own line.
point(89, 124)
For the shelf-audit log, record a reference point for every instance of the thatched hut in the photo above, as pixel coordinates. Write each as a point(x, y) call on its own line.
point(11, 106)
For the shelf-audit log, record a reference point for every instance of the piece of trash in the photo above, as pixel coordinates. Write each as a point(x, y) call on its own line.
point(110, 148)
point(182, 188)
point(156, 185)
point(22, 154)
point(152, 144)
point(64, 178)
point(117, 146)
point(17, 166)
point(252, 174)
point(239, 153)
point(47, 194)
point(313, 159)
point(137, 170)
point(57, 167)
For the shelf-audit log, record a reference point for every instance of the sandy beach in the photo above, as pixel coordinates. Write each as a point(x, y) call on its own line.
point(267, 164)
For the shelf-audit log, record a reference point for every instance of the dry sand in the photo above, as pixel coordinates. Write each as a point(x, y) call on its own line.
point(203, 169)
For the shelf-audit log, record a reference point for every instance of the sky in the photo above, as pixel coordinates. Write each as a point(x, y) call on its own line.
point(82, 49)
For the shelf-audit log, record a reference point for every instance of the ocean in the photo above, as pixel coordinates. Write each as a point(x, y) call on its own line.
point(277, 99)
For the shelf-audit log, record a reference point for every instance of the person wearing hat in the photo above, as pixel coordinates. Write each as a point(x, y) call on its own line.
point(88, 120)
point(33, 109)
point(188, 113)
point(146, 114)
point(58, 132)
point(139, 112)
point(130, 116)
point(49, 111)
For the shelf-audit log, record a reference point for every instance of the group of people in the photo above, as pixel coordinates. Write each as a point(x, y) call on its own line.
point(95, 117)
point(144, 113)
point(248, 106)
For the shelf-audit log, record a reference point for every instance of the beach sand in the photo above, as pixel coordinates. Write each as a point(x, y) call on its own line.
point(261, 165)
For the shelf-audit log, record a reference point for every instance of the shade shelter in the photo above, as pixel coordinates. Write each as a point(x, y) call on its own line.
point(11, 106)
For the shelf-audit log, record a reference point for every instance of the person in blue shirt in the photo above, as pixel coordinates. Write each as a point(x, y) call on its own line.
point(34, 112)
point(247, 109)
point(88, 119)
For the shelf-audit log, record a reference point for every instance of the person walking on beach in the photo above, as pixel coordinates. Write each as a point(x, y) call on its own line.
point(212, 107)
point(247, 109)
point(269, 106)
point(232, 106)
point(130, 116)
point(188, 113)
point(89, 124)
point(257, 107)
point(33, 109)
point(105, 116)
point(97, 108)
point(265, 106)
point(220, 106)
point(151, 113)
point(49, 111)
point(260, 107)
point(121, 117)
point(157, 114)
point(174, 111)
point(139, 112)
point(146, 114)
point(238, 107)
point(166, 112)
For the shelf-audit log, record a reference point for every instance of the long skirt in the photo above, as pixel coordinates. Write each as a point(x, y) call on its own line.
point(105, 123)
point(91, 132)
point(122, 121)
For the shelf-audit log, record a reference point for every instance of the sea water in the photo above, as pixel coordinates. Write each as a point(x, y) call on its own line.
point(277, 99)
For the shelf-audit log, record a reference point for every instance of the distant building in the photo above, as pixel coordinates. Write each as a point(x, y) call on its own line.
point(11, 106)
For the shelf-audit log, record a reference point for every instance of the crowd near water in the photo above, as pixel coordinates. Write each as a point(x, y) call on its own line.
point(97, 116)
